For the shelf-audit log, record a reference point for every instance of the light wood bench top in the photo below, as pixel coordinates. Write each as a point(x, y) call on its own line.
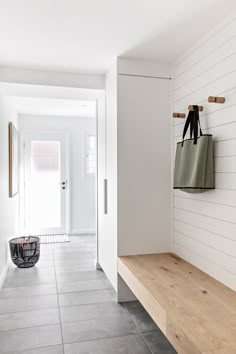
point(194, 311)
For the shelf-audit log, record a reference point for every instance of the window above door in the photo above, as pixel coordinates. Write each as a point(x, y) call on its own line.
point(91, 154)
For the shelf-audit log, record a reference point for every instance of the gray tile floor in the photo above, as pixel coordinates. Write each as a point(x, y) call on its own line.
point(65, 305)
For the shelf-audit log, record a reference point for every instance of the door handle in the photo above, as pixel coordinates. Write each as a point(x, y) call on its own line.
point(105, 197)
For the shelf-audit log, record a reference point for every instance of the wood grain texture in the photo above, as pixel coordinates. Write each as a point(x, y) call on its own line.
point(195, 312)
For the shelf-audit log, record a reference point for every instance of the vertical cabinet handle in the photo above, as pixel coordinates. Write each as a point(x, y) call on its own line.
point(105, 196)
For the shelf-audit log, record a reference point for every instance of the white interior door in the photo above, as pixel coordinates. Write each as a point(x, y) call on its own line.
point(46, 185)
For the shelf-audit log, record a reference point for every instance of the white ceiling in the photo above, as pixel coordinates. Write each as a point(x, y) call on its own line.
point(86, 35)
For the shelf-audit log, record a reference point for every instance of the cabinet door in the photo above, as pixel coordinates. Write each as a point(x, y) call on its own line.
point(144, 165)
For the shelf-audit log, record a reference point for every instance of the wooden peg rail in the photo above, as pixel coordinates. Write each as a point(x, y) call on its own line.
point(179, 115)
point(213, 99)
point(200, 108)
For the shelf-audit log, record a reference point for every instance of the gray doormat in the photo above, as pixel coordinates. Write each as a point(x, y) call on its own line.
point(60, 238)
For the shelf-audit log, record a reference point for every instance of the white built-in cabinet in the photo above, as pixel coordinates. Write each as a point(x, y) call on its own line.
point(134, 157)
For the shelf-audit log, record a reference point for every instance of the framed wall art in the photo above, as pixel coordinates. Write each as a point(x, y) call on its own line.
point(13, 160)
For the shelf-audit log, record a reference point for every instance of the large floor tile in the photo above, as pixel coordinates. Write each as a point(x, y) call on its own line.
point(29, 319)
point(143, 321)
point(22, 273)
point(86, 297)
point(54, 349)
point(45, 256)
point(31, 303)
point(158, 343)
point(90, 316)
point(60, 268)
point(140, 317)
point(79, 255)
point(74, 263)
point(26, 291)
point(133, 306)
point(132, 344)
point(46, 263)
point(91, 311)
point(80, 276)
point(30, 276)
point(29, 338)
point(46, 249)
point(118, 325)
point(63, 245)
point(84, 285)
point(76, 250)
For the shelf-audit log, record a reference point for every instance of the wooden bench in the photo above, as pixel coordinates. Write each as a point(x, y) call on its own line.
point(194, 311)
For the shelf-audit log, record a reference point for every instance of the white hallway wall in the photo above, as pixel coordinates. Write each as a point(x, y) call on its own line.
point(205, 224)
point(83, 211)
point(9, 216)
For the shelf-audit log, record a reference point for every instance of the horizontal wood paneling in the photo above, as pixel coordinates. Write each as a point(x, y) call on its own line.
point(206, 265)
point(205, 224)
point(206, 238)
point(225, 180)
point(219, 227)
point(218, 87)
point(208, 45)
point(224, 148)
point(213, 210)
point(207, 62)
point(212, 120)
point(230, 96)
point(219, 196)
point(218, 257)
point(200, 81)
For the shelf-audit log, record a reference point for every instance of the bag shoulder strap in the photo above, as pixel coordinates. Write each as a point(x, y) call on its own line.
point(189, 122)
point(192, 121)
point(196, 123)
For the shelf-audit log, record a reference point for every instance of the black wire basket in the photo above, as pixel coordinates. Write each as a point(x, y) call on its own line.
point(25, 251)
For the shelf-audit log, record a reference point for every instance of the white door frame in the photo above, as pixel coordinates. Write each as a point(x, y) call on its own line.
point(27, 136)
point(58, 90)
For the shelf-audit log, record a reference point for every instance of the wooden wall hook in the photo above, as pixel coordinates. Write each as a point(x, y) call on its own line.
point(200, 108)
point(179, 115)
point(213, 99)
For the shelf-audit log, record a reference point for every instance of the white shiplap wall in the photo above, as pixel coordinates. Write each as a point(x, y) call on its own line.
point(205, 224)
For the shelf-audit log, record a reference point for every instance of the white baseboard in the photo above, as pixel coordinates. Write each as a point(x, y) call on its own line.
point(82, 232)
point(4, 274)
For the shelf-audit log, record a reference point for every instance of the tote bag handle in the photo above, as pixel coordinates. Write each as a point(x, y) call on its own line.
point(193, 122)
point(196, 123)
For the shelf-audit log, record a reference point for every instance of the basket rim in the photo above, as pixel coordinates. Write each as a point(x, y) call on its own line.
point(35, 239)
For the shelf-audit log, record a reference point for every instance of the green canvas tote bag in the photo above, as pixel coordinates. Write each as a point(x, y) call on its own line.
point(194, 164)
